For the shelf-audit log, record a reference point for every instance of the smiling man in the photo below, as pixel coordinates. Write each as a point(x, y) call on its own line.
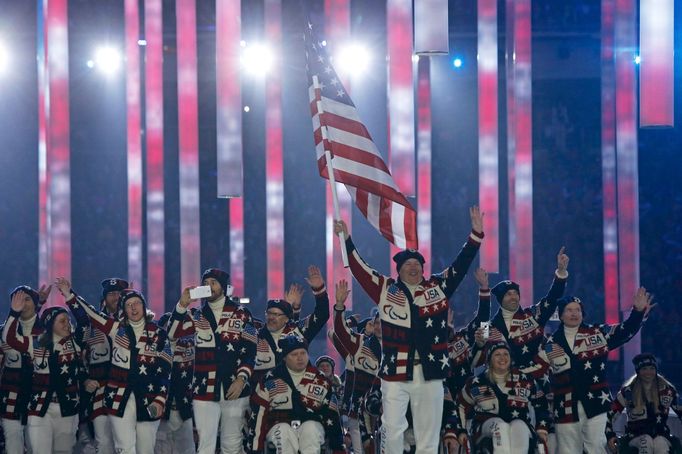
point(413, 311)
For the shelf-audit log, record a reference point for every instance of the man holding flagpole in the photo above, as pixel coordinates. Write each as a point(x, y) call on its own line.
point(414, 312)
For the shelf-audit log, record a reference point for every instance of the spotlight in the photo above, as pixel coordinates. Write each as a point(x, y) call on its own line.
point(457, 62)
point(638, 59)
point(247, 108)
point(257, 59)
point(107, 60)
point(4, 59)
point(141, 42)
point(352, 59)
point(415, 58)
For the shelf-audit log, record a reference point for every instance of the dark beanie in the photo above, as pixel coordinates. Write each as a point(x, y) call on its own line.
point(291, 342)
point(403, 256)
point(491, 347)
point(565, 301)
point(503, 287)
point(362, 324)
point(113, 284)
point(126, 294)
point(49, 315)
point(31, 292)
point(644, 360)
point(282, 305)
point(223, 277)
point(325, 359)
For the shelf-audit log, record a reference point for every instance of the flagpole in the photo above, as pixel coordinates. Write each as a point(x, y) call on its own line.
point(330, 171)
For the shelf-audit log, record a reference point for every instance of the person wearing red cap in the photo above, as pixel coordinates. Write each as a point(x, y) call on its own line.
point(413, 311)
point(577, 353)
point(500, 399)
point(225, 348)
point(293, 406)
point(58, 375)
point(647, 397)
point(17, 369)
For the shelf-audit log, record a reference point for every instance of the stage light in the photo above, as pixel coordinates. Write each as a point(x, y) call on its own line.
point(352, 59)
point(415, 58)
point(247, 109)
point(107, 60)
point(90, 64)
point(257, 59)
point(638, 59)
point(141, 42)
point(4, 59)
point(457, 63)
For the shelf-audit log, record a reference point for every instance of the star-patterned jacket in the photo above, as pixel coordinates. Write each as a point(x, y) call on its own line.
point(182, 373)
point(462, 345)
point(58, 370)
point(268, 354)
point(275, 400)
point(364, 353)
point(140, 367)
point(482, 399)
point(414, 323)
point(526, 333)
point(224, 349)
point(578, 374)
point(648, 420)
point(15, 382)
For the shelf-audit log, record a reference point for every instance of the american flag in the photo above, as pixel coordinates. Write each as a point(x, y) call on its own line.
point(553, 351)
point(276, 386)
point(355, 158)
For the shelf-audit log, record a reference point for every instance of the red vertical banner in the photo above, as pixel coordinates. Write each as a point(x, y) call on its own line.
point(424, 160)
point(626, 163)
point(521, 243)
point(337, 33)
point(58, 181)
point(657, 67)
point(274, 165)
point(608, 164)
point(229, 130)
point(511, 135)
point(401, 94)
point(188, 130)
point(488, 166)
point(43, 91)
point(156, 272)
point(133, 141)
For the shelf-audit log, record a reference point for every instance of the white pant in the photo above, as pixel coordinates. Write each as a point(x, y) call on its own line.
point(508, 438)
point(586, 434)
point(647, 445)
point(355, 437)
point(175, 436)
point(104, 437)
point(130, 435)
point(53, 432)
point(308, 438)
point(14, 436)
point(230, 415)
point(425, 398)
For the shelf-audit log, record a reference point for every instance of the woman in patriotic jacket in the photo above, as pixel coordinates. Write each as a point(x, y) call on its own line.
point(364, 354)
point(293, 406)
point(176, 431)
point(279, 322)
point(462, 344)
point(225, 348)
point(58, 374)
point(647, 397)
point(498, 401)
point(577, 353)
point(137, 386)
point(17, 370)
point(414, 317)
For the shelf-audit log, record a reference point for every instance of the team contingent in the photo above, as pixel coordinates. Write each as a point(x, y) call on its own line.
point(212, 377)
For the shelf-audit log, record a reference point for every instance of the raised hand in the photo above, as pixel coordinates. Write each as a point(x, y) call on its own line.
point(476, 219)
point(340, 226)
point(185, 300)
point(44, 292)
point(481, 276)
point(642, 301)
point(562, 261)
point(314, 278)
point(294, 296)
point(64, 286)
point(342, 292)
point(18, 301)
